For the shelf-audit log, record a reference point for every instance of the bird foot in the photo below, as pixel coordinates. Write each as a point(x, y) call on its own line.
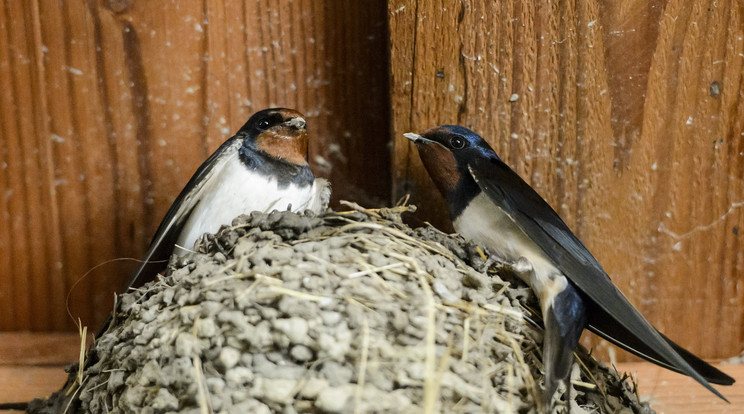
point(494, 258)
point(491, 260)
point(522, 267)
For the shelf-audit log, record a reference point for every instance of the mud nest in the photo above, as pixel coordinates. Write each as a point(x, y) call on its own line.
point(346, 312)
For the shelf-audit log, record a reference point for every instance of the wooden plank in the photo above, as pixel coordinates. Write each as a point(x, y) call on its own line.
point(24, 383)
point(111, 106)
point(627, 117)
point(669, 392)
point(25, 165)
point(39, 348)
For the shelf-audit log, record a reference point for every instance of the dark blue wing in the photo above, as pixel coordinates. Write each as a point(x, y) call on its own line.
point(610, 313)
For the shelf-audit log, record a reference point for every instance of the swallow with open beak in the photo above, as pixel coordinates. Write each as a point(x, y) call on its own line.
point(491, 205)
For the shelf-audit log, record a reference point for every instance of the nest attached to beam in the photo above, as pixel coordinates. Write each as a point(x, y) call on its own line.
point(345, 312)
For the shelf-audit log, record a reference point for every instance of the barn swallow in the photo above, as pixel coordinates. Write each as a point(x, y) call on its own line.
point(262, 168)
point(491, 205)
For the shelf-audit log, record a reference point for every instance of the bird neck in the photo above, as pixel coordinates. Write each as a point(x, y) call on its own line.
point(285, 172)
point(461, 195)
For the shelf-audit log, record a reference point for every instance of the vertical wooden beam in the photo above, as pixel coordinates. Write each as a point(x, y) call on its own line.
point(626, 117)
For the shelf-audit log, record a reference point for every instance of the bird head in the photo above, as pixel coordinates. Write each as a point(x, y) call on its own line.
point(446, 151)
point(279, 132)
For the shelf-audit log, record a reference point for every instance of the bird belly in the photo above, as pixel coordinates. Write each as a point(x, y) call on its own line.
point(236, 190)
point(487, 224)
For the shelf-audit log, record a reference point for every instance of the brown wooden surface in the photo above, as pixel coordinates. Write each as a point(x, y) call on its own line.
point(34, 348)
point(626, 116)
point(24, 383)
point(108, 107)
point(669, 392)
point(23, 378)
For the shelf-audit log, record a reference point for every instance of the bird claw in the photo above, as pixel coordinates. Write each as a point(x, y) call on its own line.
point(492, 258)
point(522, 267)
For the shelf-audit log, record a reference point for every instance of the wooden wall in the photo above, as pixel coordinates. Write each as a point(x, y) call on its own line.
point(627, 116)
point(108, 107)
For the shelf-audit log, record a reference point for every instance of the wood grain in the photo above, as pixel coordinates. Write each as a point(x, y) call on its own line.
point(24, 383)
point(108, 107)
point(35, 348)
point(669, 392)
point(626, 116)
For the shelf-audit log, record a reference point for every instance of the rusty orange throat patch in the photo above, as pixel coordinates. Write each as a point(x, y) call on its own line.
point(285, 143)
point(441, 165)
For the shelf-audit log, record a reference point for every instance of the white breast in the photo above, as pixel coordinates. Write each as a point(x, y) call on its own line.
point(485, 223)
point(233, 190)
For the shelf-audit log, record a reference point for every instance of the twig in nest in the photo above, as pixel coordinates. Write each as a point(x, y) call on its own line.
point(430, 384)
point(395, 233)
point(373, 212)
point(376, 269)
point(480, 253)
point(403, 201)
point(526, 374)
point(72, 398)
point(260, 278)
point(79, 379)
point(583, 384)
point(413, 262)
point(510, 385)
point(300, 295)
point(357, 207)
point(362, 367)
point(205, 404)
point(465, 338)
point(594, 380)
point(372, 272)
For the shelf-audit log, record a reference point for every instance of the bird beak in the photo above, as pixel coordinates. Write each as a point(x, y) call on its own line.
point(413, 137)
point(297, 123)
point(419, 139)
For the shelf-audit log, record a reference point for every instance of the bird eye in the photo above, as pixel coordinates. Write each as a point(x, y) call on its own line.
point(457, 142)
point(263, 124)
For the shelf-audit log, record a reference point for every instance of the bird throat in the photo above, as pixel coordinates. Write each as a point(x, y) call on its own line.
point(455, 183)
point(441, 165)
point(284, 143)
point(283, 171)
